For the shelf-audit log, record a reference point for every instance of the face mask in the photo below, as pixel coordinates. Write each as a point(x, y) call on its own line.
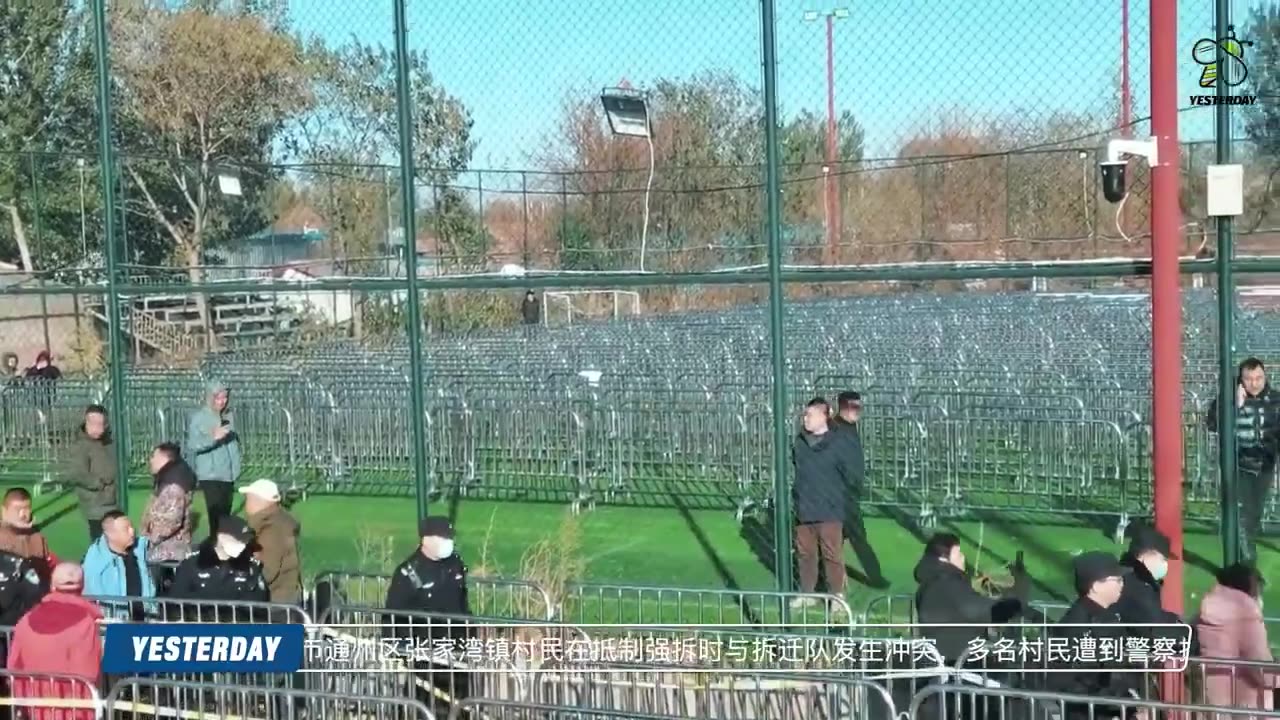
point(1159, 569)
point(233, 548)
point(444, 548)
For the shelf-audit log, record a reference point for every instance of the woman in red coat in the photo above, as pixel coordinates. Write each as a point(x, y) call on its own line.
point(59, 636)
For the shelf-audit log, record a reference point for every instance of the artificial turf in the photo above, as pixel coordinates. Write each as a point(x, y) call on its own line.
point(663, 546)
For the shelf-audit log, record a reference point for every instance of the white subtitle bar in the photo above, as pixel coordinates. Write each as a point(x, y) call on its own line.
point(741, 648)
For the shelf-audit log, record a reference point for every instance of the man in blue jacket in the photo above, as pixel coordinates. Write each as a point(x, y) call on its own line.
point(116, 566)
point(213, 451)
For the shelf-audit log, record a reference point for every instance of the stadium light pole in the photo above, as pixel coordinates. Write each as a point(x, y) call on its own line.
point(628, 114)
point(1166, 291)
point(832, 212)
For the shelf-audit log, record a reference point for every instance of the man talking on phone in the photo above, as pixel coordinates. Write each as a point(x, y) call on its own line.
point(213, 451)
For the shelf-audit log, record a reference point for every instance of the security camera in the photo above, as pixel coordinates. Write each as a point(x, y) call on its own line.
point(1113, 180)
point(1113, 168)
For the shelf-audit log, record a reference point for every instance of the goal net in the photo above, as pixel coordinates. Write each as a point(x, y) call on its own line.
point(571, 306)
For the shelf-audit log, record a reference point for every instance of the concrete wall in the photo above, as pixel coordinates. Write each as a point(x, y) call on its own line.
point(29, 324)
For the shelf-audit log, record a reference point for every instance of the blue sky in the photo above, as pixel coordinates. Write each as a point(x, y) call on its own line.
point(899, 65)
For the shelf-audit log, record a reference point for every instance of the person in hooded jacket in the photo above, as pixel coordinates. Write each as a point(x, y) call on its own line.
point(821, 497)
point(1099, 581)
point(848, 414)
point(90, 468)
point(1231, 627)
point(166, 522)
point(1257, 434)
point(59, 636)
point(945, 596)
point(213, 448)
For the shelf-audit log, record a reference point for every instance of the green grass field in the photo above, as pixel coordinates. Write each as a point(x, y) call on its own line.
point(657, 546)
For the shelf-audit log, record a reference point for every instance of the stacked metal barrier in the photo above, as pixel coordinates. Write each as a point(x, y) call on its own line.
point(1014, 402)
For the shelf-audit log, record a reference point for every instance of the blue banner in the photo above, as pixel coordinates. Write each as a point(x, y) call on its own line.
point(181, 648)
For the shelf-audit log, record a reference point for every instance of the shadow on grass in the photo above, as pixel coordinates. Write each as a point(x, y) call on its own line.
point(757, 530)
point(722, 570)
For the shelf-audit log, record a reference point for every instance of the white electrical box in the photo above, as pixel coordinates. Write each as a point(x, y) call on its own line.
point(1225, 190)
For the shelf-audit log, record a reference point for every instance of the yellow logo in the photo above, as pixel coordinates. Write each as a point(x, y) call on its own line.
point(1205, 52)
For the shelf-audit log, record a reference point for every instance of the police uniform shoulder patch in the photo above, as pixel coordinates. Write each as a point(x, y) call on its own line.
point(32, 577)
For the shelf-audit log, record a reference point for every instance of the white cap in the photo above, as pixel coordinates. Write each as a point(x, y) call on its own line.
point(265, 489)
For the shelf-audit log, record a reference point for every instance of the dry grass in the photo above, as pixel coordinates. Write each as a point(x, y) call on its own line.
point(376, 552)
point(487, 566)
point(555, 562)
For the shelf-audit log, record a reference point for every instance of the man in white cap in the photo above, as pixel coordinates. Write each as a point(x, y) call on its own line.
point(277, 540)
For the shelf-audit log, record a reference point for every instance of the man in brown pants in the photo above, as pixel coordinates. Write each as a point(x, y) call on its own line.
point(820, 496)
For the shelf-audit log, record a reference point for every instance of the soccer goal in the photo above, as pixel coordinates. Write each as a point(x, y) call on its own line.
point(570, 306)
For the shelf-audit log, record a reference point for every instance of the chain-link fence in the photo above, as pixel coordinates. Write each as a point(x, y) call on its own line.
point(336, 211)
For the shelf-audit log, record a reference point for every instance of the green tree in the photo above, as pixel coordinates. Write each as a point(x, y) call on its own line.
point(202, 89)
point(1262, 120)
point(353, 132)
point(46, 104)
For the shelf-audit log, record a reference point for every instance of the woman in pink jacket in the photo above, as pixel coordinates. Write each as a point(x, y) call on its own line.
point(1230, 627)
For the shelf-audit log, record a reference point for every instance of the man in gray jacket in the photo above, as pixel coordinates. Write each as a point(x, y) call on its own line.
point(213, 451)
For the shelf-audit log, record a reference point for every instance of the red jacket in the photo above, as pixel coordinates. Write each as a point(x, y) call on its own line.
point(58, 636)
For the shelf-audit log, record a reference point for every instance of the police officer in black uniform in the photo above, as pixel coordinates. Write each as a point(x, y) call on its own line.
point(20, 590)
point(223, 568)
point(433, 580)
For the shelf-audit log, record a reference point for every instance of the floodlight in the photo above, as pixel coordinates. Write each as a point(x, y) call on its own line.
point(627, 111)
point(229, 182)
point(841, 12)
point(628, 114)
point(810, 16)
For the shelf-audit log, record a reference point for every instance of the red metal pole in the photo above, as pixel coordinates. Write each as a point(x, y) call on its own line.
point(1126, 100)
point(833, 227)
point(1166, 291)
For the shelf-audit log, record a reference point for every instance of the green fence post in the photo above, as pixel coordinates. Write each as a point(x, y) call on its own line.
point(1226, 314)
point(777, 338)
point(409, 209)
point(106, 162)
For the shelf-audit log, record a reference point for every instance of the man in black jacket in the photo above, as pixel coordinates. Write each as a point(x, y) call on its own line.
point(946, 596)
point(1146, 563)
point(432, 580)
point(1100, 581)
point(849, 412)
point(222, 569)
point(820, 494)
point(1257, 432)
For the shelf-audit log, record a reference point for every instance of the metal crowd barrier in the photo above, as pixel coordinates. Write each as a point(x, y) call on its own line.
point(374, 651)
point(973, 404)
point(51, 695)
point(598, 603)
point(657, 605)
point(945, 702)
point(711, 696)
point(136, 698)
point(488, 596)
point(158, 609)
